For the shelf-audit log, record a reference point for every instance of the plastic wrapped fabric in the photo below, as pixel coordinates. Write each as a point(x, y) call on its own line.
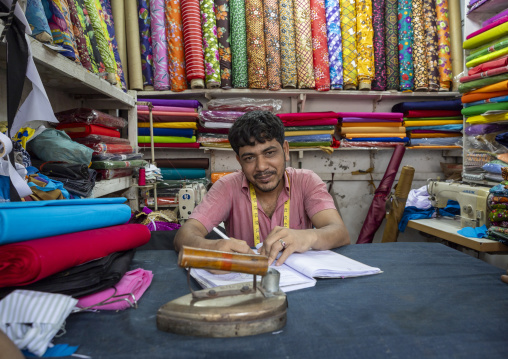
point(118, 164)
point(447, 141)
point(91, 139)
point(106, 174)
point(76, 130)
point(245, 104)
point(219, 116)
point(55, 145)
point(117, 157)
point(102, 148)
point(90, 117)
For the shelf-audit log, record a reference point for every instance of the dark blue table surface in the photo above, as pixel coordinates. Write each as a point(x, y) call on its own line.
point(430, 302)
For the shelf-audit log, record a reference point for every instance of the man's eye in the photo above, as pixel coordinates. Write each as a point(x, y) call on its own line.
point(269, 153)
point(248, 159)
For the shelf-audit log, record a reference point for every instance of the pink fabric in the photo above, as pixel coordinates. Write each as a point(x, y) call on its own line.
point(363, 119)
point(378, 115)
point(308, 197)
point(316, 122)
point(489, 65)
point(134, 282)
point(494, 18)
point(488, 73)
point(166, 108)
point(497, 22)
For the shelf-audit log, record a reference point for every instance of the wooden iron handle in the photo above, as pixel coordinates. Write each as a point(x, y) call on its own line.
point(232, 262)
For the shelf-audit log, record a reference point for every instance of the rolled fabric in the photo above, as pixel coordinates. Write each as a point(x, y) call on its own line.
point(184, 163)
point(488, 57)
point(238, 29)
point(193, 43)
point(488, 73)
point(272, 34)
point(371, 115)
point(490, 65)
point(320, 45)
point(444, 53)
point(487, 119)
point(223, 35)
point(481, 109)
point(172, 102)
point(478, 84)
point(61, 28)
point(434, 123)
point(479, 96)
point(27, 262)
point(256, 48)
point(485, 28)
point(455, 18)
point(431, 113)
point(182, 173)
point(378, 24)
point(406, 73)
point(451, 105)
point(118, 14)
point(38, 21)
point(288, 44)
point(219, 116)
point(493, 46)
point(191, 125)
point(210, 44)
point(495, 17)
point(349, 48)
point(490, 100)
point(166, 139)
point(144, 21)
point(372, 129)
point(159, 43)
point(307, 116)
point(91, 43)
point(79, 36)
point(170, 145)
point(176, 50)
point(303, 33)
point(334, 36)
point(365, 44)
point(429, 10)
point(167, 108)
point(177, 132)
point(419, 48)
point(391, 45)
point(409, 120)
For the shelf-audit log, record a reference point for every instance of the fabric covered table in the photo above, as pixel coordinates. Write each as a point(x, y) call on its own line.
point(430, 302)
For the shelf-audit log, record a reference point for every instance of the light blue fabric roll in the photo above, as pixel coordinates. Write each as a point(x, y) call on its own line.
point(182, 173)
point(37, 18)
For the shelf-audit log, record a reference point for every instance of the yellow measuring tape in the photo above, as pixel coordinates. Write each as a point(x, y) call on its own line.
point(255, 215)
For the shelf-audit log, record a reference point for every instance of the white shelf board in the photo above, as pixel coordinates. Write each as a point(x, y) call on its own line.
point(105, 187)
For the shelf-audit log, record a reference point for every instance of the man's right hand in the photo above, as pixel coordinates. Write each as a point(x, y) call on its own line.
point(233, 245)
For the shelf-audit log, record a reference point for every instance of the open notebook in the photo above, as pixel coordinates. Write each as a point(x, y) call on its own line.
point(299, 271)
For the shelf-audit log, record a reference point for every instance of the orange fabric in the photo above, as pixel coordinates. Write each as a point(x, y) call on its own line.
point(499, 86)
point(176, 54)
point(472, 96)
point(360, 135)
point(216, 175)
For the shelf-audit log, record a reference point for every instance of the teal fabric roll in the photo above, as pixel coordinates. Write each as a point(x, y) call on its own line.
point(182, 173)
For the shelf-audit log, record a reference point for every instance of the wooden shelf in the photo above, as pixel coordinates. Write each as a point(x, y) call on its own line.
point(105, 187)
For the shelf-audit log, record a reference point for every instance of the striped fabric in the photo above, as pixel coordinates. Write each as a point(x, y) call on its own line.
point(193, 39)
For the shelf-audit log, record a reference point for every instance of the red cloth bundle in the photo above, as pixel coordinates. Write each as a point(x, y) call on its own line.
point(29, 261)
point(432, 113)
point(309, 118)
point(489, 65)
point(488, 73)
point(177, 117)
point(76, 130)
point(102, 148)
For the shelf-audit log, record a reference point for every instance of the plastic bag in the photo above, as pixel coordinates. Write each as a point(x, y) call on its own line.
point(245, 104)
point(90, 117)
point(55, 145)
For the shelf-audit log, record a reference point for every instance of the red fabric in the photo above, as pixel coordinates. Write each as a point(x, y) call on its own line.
point(488, 73)
point(192, 39)
point(391, 116)
point(75, 130)
point(100, 148)
point(489, 65)
point(29, 261)
point(320, 45)
point(432, 113)
point(184, 145)
point(90, 117)
point(315, 122)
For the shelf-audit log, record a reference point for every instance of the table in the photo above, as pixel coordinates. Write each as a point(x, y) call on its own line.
point(447, 229)
point(430, 302)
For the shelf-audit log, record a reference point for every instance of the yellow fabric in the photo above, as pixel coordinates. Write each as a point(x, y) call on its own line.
point(373, 130)
point(388, 134)
point(486, 36)
point(487, 119)
point(432, 123)
point(488, 57)
point(192, 125)
point(23, 135)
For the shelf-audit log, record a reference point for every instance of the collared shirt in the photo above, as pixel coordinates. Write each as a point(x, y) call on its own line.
point(228, 201)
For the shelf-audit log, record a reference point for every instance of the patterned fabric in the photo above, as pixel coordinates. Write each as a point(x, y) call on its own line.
point(238, 29)
point(378, 23)
point(98, 66)
point(391, 45)
point(84, 56)
point(349, 52)
point(159, 45)
point(365, 43)
point(421, 77)
point(304, 54)
point(429, 8)
point(145, 42)
point(320, 45)
point(287, 44)
point(256, 50)
point(176, 51)
point(271, 18)
point(193, 40)
point(36, 18)
point(498, 215)
point(222, 20)
point(210, 43)
point(61, 27)
point(444, 55)
point(334, 43)
point(406, 74)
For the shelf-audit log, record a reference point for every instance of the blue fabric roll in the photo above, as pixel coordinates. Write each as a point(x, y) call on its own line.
point(182, 173)
point(453, 105)
point(438, 128)
point(309, 138)
point(179, 132)
point(36, 17)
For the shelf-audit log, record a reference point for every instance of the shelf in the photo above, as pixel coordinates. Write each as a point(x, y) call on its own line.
point(487, 9)
point(105, 187)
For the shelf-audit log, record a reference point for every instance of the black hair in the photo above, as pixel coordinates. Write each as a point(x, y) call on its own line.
point(260, 126)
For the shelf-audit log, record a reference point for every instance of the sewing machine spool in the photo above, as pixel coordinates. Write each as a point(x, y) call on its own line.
point(227, 311)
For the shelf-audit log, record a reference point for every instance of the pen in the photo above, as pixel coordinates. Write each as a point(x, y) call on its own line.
point(220, 233)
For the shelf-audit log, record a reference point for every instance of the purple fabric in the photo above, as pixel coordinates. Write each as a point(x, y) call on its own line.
point(362, 119)
point(498, 22)
point(162, 226)
point(175, 103)
point(494, 18)
point(219, 116)
point(485, 128)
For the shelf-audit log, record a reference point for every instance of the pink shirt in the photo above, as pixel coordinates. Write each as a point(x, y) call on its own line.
point(228, 201)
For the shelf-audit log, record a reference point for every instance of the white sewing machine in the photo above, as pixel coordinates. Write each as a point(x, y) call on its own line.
point(188, 198)
point(472, 200)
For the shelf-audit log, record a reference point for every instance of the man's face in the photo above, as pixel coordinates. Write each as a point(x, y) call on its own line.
point(264, 164)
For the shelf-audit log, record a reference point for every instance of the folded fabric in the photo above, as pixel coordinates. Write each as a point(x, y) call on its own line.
point(442, 118)
point(449, 105)
point(314, 122)
point(489, 65)
point(309, 144)
point(307, 116)
point(106, 174)
point(374, 135)
point(372, 124)
point(175, 103)
point(166, 139)
point(478, 232)
point(500, 86)
point(487, 36)
point(379, 121)
point(49, 218)
point(171, 145)
point(489, 100)
point(441, 127)
point(480, 96)
point(103, 148)
point(484, 28)
point(373, 129)
point(81, 130)
point(219, 116)
point(176, 117)
point(496, 45)
point(487, 118)
point(117, 164)
point(381, 139)
point(481, 109)
point(366, 115)
point(432, 113)
point(447, 141)
point(432, 123)
point(191, 125)
point(27, 262)
point(178, 132)
point(488, 73)
point(90, 117)
point(495, 17)
point(311, 138)
point(487, 57)
point(435, 135)
point(125, 294)
point(308, 133)
point(478, 84)
point(482, 129)
point(166, 109)
point(183, 163)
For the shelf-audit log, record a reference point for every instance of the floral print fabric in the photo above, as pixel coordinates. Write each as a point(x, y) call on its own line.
point(210, 43)
point(320, 45)
point(175, 46)
point(272, 32)
point(444, 54)
point(145, 43)
point(287, 44)
point(378, 24)
point(365, 43)
point(222, 20)
point(304, 54)
point(256, 50)
point(238, 29)
point(406, 74)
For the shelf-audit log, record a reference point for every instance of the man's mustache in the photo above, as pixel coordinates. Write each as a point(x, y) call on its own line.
point(263, 174)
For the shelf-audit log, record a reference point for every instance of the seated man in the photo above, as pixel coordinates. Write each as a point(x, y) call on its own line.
point(285, 209)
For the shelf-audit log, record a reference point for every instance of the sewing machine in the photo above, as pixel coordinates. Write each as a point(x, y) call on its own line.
point(472, 200)
point(188, 198)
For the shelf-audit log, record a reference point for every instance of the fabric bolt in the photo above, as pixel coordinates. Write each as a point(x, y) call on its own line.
point(391, 45)
point(489, 100)
point(349, 46)
point(38, 22)
point(354, 116)
point(172, 102)
point(161, 75)
point(481, 109)
point(304, 52)
point(144, 22)
point(222, 17)
point(193, 42)
point(289, 77)
point(495, 17)
point(490, 65)
point(166, 132)
point(238, 30)
point(421, 76)
point(61, 27)
point(167, 108)
point(378, 24)
point(479, 96)
point(487, 45)
point(497, 22)
point(487, 119)
point(444, 52)
point(429, 9)
point(488, 57)
point(98, 66)
point(184, 125)
point(166, 139)
point(256, 47)
point(498, 45)
point(409, 120)
point(478, 84)
point(320, 45)
point(432, 113)
point(272, 38)
point(489, 35)
point(79, 36)
point(406, 72)
point(488, 73)
point(454, 105)
point(210, 44)
point(334, 36)
point(170, 145)
point(364, 44)
point(176, 47)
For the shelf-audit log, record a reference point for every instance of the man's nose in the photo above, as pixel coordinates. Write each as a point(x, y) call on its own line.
point(261, 163)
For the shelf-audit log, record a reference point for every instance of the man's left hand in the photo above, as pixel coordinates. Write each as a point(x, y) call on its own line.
point(287, 241)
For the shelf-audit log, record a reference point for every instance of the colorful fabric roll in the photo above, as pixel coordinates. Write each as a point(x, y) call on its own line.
point(84, 56)
point(172, 102)
point(166, 139)
point(223, 35)
point(176, 47)
point(406, 73)
point(304, 54)
point(498, 45)
point(320, 45)
point(159, 44)
point(38, 21)
point(61, 27)
point(444, 54)
point(490, 65)
point(182, 173)
point(419, 48)
point(145, 43)
point(378, 24)
point(334, 37)
point(256, 47)
point(490, 100)
point(489, 35)
point(238, 29)
point(478, 84)
point(488, 57)
point(492, 25)
point(429, 10)
point(210, 44)
point(187, 125)
point(488, 73)
point(349, 48)
point(91, 42)
point(391, 45)
point(482, 96)
point(365, 44)
point(177, 132)
point(272, 39)
point(287, 44)
point(193, 42)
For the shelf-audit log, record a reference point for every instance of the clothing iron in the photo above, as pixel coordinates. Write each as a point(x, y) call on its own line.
point(227, 311)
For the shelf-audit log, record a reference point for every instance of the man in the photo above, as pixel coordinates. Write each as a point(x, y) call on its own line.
point(265, 202)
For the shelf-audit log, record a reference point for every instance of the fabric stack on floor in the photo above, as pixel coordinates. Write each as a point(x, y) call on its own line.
point(174, 123)
point(498, 212)
point(309, 129)
point(366, 129)
point(432, 123)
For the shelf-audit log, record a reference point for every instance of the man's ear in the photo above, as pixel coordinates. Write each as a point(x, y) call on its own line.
point(285, 148)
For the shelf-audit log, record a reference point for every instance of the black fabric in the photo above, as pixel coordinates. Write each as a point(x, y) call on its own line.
point(164, 239)
point(77, 179)
point(85, 279)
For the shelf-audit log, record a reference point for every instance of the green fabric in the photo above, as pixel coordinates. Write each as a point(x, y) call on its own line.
point(166, 139)
point(480, 109)
point(432, 118)
point(487, 36)
point(238, 33)
point(488, 57)
point(107, 165)
point(489, 44)
point(211, 49)
point(476, 84)
point(501, 44)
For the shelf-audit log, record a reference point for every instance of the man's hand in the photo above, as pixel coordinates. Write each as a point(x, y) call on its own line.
point(232, 245)
point(287, 241)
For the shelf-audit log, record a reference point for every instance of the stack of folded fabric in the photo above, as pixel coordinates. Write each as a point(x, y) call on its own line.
point(498, 213)
point(370, 129)
point(174, 123)
point(309, 129)
point(214, 126)
point(432, 123)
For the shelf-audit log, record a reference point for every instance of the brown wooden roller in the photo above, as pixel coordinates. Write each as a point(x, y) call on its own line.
point(232, 262)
